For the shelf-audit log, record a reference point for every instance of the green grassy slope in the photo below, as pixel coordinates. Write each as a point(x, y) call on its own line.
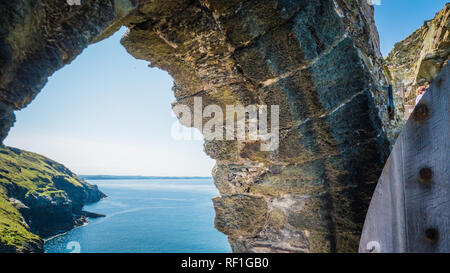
point(32, 173)
point(23, 173)
point(14, 233)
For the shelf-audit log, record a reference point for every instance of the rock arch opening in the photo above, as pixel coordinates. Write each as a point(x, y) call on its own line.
point(108, 113)
point(318, 60)
point(111, 116)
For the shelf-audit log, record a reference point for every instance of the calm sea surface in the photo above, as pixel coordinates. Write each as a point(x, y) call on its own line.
point(149, 215)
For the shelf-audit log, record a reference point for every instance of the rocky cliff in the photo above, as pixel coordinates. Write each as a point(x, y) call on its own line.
point(38, 198)
point(420, 57)
point(318, 60)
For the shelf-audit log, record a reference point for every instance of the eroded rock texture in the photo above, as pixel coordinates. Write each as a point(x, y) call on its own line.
point(318, 60)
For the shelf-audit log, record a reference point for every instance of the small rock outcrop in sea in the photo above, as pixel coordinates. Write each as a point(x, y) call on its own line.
point(38, 198)
point(318, 60)
point(419, 58)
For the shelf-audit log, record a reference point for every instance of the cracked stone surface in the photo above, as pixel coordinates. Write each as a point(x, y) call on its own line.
point(318, 60)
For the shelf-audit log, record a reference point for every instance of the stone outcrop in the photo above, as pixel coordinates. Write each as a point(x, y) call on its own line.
point(318, 60)
point(38, 197)
point(420, 57)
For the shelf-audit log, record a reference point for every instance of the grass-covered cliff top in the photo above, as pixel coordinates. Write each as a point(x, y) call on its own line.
point(32, 173)
point(23, 173)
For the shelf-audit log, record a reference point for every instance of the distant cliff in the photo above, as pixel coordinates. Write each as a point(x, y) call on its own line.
point(420, 57)
point(38, 198)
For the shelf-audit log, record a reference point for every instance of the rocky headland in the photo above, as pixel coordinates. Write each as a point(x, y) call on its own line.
point(39, 198)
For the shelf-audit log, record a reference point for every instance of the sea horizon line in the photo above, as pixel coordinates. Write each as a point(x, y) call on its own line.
point(132, 177)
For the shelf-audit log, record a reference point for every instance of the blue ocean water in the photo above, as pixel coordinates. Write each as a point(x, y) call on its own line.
point(145, 216)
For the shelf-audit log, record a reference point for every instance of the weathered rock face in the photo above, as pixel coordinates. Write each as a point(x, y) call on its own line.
point(318, 60)
point(420, 57)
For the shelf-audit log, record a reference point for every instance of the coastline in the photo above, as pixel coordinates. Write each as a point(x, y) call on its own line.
point(143, 218)
point(64, 232)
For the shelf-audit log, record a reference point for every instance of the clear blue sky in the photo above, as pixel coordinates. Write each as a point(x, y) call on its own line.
point(108, 113)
